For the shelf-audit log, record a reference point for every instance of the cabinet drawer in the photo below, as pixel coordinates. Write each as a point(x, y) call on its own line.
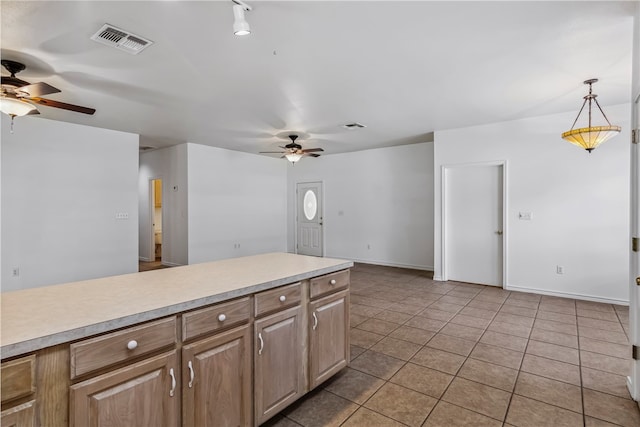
point(275, 299)
point(329, 283)
point(95, 353)
point(18, 378)
point(216, 317)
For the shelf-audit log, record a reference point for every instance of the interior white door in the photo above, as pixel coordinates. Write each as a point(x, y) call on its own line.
point(473, 224)
point(634, 289)
point(309, 219)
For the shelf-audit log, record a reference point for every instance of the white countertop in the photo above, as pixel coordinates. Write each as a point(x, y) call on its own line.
point(37, 318)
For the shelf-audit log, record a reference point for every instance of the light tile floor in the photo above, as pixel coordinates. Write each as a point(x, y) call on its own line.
point(428, 353)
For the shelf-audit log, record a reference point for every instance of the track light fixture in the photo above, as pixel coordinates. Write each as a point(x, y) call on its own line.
point(240, 25)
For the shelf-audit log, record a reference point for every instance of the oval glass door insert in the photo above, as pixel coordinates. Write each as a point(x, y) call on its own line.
point(310, 205)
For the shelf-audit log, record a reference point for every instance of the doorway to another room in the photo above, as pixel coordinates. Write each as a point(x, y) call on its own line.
point(155, 207)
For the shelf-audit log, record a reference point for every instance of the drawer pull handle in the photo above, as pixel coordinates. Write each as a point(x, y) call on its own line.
point(222, 318)
point(332, 281)
point(173, 382)
point(132, 345)
point(282, 298)
point(315, 321)
point(191, 374)
point(261, 343)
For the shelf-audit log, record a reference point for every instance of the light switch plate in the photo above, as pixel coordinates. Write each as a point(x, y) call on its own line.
point(525, 216)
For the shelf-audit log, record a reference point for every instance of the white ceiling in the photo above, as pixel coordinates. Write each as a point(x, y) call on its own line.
point(404, 69)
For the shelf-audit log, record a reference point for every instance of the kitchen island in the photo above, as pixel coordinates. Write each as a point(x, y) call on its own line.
point(249, 335)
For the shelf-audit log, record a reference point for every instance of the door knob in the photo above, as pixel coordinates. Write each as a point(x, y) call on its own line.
point(499, 232)
point(638, 281)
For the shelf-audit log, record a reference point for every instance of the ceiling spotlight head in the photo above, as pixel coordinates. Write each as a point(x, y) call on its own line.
point(240, 25)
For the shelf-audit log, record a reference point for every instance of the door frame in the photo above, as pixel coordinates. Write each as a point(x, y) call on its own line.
point(320, 212)
point(443, 207)
point(151, 238)
point(633, 380)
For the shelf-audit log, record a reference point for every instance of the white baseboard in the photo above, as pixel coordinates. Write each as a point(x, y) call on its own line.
point(144, 259)
point(393, 264)
point(567, 295)
point(438, 279)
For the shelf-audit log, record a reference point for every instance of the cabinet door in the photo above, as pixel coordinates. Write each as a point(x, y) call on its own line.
point(216, 376)
point(279, 375)
point(144, 394)
point(19, 416)
point(328, 336)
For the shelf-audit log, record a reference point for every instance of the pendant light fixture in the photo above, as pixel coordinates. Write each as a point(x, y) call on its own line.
point(240, 25)
point(590, 137)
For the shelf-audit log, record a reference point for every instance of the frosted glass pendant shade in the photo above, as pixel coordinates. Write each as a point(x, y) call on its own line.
point(15, 107)
point(293, 157)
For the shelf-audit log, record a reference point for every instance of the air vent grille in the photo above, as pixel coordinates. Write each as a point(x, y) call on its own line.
point(121, 39)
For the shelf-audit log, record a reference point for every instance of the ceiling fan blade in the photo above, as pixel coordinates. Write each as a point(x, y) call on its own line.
point(64, 106)
point(36, 89)
point(312, 155)
point(271, 152)
point(311, 150)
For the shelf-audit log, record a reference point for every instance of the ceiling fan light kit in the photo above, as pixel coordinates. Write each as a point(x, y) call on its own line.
point(294, 152)
point(15, 107)
point(19, 96)
point(240, 25)
point(590, 137)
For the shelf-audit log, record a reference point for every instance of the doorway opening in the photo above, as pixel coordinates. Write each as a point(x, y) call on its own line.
point(157, 219)
point(154, 237)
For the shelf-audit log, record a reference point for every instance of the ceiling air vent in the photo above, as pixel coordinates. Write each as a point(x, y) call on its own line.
point(354, 125)
point(121, 39)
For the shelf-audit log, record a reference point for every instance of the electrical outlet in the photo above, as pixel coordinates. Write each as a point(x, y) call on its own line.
point(559, 269)
point(15, 271)
point(122, 215)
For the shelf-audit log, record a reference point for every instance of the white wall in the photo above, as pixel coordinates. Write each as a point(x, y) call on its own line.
point(237, 204)
point(381, 197)
point(62, 185)
point(170, 165)
point(579, 201)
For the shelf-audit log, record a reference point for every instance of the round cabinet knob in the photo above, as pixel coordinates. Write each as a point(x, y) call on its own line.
point(222, 318)
point(332, 281)
point(282, 298)
point(132, 345)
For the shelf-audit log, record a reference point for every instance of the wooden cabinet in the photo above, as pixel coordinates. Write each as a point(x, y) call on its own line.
point(236, 363)
point(216, 375)
point(278, 362)
point(145, 393)
point(18, 381)
point(19, 416)
point(328, 336)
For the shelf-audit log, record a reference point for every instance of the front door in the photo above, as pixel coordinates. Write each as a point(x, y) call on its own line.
point(473, 230)
point(309, 219)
